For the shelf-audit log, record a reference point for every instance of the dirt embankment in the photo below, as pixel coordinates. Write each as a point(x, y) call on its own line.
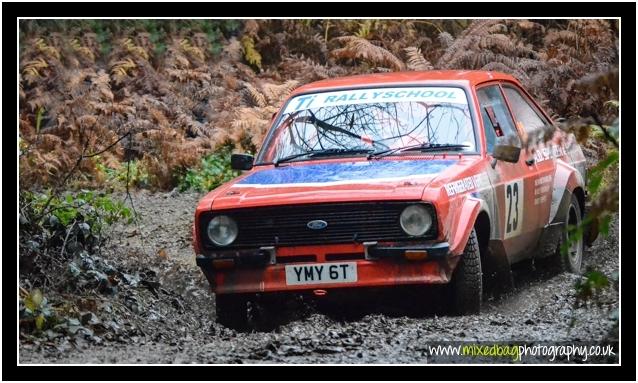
point(164, 313)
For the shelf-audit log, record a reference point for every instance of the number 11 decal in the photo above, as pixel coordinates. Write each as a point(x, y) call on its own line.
point(513, 208)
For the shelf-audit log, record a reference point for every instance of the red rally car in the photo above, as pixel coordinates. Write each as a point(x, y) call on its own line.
point(381, 180)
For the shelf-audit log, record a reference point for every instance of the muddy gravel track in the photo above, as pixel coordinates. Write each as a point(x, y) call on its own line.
point(171, 319)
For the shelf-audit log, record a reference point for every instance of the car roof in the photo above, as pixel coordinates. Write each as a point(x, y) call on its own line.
point(460, 77)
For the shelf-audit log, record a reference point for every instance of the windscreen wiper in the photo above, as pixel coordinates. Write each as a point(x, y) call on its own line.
point(312, 119)
point(322, 153)
point(424, 147)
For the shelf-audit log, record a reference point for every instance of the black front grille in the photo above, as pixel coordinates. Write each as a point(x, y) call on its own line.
point(288, 225)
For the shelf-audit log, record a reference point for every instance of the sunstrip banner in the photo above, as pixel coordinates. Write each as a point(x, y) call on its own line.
point(328, 174)
point(366, 96)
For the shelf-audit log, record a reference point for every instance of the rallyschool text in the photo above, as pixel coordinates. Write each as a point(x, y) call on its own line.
point(378, 95)
point(517, 353)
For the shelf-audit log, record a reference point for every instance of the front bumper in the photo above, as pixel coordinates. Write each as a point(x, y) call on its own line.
point(378, 265)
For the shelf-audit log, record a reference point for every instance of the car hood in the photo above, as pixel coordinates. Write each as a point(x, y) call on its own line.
point(343, 181)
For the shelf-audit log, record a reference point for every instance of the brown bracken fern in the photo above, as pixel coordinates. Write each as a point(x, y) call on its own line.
point(186, 92)
point(357, 48)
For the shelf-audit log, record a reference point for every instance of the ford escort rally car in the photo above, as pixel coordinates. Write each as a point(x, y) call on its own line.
point(380, 180)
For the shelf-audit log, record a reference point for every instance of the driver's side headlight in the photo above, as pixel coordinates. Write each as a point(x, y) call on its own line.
point(416, 220)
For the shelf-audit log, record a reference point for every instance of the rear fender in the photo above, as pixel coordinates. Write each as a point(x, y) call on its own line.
point(566, 180)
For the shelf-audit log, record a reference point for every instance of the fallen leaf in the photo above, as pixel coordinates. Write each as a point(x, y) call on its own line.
point(162, 254)
point(23, 292)
point(87, 304)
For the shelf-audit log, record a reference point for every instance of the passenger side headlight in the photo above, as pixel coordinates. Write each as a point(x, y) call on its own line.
point(222, 230)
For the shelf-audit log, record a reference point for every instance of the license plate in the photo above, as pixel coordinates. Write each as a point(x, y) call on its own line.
point(310, 274)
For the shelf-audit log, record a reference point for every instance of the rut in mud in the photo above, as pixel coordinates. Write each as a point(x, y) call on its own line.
point(165, 314)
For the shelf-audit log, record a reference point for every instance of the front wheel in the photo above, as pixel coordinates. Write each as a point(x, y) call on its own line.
point(467, 280)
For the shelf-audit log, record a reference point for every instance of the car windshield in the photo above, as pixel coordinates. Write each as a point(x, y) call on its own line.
point(359, 122)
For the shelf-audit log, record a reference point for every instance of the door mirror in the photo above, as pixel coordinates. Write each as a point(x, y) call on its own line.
point(507, 153)
point(241, 161)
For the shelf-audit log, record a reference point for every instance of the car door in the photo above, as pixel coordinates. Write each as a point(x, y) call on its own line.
point(517, 226)
point(532, 125)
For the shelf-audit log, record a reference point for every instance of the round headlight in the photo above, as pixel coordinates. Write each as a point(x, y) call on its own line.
point(222, 230)
point(416, 220)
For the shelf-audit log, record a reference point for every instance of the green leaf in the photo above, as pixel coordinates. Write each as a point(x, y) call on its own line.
point(65, 215)
point(612, 158)
point(38, 119)
point(597, 279)
point(594, 182)
point(39, 322)
point(33, 300)
point(251, 55)
point(596, 173)
point(604, 225)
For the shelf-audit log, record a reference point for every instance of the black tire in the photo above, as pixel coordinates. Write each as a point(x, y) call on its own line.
point(467, 280)
point(571, 261)
point(232, 310)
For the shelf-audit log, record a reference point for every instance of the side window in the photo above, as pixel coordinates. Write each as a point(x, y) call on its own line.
point(524, 112)
point(497, 121)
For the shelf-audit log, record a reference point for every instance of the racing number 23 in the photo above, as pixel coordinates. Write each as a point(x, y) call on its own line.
point(513, 208)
